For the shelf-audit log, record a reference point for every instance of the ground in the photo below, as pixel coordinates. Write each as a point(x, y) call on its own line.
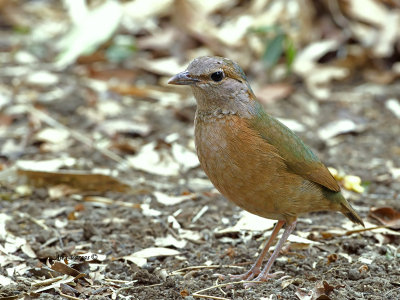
point(352, 263)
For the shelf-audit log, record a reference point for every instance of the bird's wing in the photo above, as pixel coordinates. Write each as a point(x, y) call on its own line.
point(298, 157)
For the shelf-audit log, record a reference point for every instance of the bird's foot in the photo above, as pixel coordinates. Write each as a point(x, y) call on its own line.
point(264, 277)
point(249, 275)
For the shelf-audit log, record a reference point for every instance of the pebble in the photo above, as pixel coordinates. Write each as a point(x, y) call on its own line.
point(354, 274)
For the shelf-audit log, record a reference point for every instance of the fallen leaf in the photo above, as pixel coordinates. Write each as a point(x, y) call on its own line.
point(53, 135)
point(93, 28)
point(112, 127)
point(184, 293)
point(318, 76)
point(171, 200)
point(382, 33)
point(6, 281)
point(338, 127)
point(386, 216)
point(190, 235)
point(46, 165)
point(169, 240)
point(75, 179)
point(186, 158)
point(140, 257)
point(155, 161)
point(42, 78)
point(249, 221)
point(321, 291)
point(293, 124)
point(332, 258)
point(394, 106)
point(64, 269)
point(270, 93)
point(26, 248)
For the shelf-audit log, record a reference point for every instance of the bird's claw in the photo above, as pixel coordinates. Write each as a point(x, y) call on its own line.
point(263, 278)
point(249, 275)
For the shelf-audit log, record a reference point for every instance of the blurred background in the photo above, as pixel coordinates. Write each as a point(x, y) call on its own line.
point(90, 77)
point(86, 115)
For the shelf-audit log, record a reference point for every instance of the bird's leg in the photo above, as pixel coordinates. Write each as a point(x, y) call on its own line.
point(255, 269)
point(264, 275)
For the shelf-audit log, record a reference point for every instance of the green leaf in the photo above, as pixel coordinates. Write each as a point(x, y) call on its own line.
point(122, 48)
point(290, 52)
point(273, 50)
point(21, 29)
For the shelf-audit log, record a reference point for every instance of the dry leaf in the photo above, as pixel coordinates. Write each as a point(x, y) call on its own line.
point(76, 179)
point(270, 93)
point(321, 291)
point(42, 78)
point(184, 293)
point(94, 27)
point(140, 257)
point(249, 221)
point(6, 281)
point(172, 200)
point(169, 240)
point(112, 127)
point(64, 269)
point(338, 127)
point(386, 216)
point(332, 258)
point(293, 124)
point(318, 76)
point(394, 106)
point(155, 161)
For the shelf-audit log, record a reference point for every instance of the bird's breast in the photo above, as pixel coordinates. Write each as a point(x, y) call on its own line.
point(241, 165)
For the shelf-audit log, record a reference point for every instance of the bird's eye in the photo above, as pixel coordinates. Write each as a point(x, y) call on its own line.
point(217, 76)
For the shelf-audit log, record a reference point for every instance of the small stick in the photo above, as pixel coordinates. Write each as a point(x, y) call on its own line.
point(223, 285)
point(119, 281)
point(69, 297)
point(209, 297)
point(205, 267)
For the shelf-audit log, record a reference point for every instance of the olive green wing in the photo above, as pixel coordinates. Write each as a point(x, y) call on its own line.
point(298, 157)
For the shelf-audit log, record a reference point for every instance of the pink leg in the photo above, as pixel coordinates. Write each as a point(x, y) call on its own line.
point(255, 269)
point(264, 275)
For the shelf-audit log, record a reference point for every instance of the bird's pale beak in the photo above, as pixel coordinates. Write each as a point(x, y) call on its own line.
point(183, 78)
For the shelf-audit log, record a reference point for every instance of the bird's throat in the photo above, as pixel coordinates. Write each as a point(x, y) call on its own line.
point(219, 105)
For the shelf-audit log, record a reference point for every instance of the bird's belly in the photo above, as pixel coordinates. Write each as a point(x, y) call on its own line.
point(249, 171)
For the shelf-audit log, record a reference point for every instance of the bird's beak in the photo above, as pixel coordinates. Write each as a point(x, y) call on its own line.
point(183, 78)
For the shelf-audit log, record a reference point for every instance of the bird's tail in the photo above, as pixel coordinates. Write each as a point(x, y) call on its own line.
point(350, 213)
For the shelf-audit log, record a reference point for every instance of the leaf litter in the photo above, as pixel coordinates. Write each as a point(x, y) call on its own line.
point(97, 154)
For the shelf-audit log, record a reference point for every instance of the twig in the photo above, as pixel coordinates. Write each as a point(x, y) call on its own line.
point(117, 292)
point(209, 297)
point(205, 267)
point(220, 288)
point(391, 291)
point(36, 221)
point(120, 281)
point(202, 211)
point(223, 285)
point(69, 297)
point(349, 232)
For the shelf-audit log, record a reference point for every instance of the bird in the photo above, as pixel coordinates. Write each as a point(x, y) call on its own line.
point(253, 159)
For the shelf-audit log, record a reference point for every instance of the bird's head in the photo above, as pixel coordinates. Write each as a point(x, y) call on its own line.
point(218, 84)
